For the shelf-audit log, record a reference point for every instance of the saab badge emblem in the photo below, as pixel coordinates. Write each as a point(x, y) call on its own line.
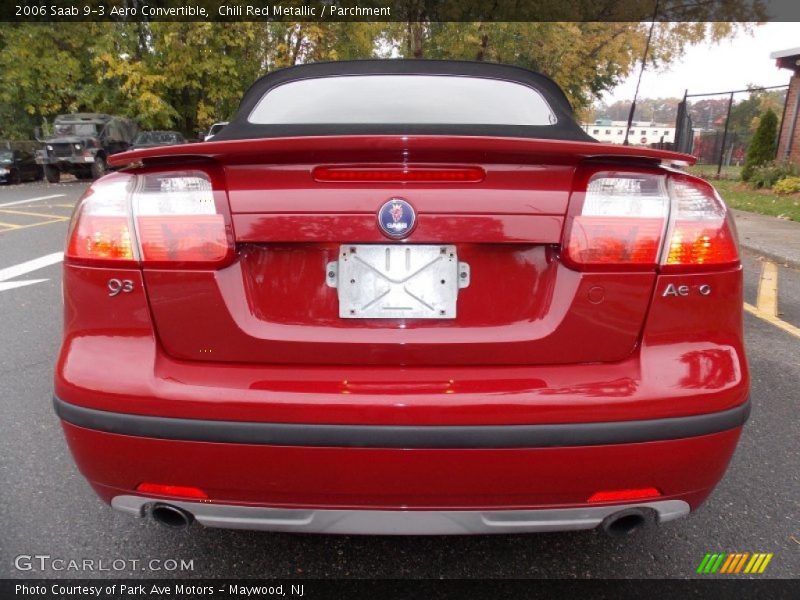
point(396, 218)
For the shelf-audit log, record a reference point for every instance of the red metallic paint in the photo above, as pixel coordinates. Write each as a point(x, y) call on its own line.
point(690, 361)
point(433, 228)
point(522, 307)
point(507, 189)
point(299, 477)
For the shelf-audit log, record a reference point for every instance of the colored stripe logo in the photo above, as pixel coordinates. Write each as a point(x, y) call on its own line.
point(735, 562)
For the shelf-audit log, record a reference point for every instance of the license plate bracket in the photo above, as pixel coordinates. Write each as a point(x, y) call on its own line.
point(397, 281)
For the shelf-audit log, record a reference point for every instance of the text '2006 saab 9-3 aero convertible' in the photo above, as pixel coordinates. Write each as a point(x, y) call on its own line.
point(403, 297)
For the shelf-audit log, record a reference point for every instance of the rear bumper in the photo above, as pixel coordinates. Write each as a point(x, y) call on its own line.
point(363, 486)
point(404, 436)
point(400, 522)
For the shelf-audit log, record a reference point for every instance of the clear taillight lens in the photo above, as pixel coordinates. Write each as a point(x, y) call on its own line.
point(159, 219)
point(641, 221)
point(177, 219)
point(621, 222)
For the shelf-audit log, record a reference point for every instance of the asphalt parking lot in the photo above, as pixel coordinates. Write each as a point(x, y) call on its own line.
point(48, 509)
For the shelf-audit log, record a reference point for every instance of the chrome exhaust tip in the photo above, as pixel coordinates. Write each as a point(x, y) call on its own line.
point(625, 522)
point(171, 516)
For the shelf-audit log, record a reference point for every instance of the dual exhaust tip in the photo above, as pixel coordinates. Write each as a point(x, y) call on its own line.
point(171, 516)
point(625, 522)
point(618, 524)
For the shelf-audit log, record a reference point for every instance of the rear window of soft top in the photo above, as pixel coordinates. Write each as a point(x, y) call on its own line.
point(403, 99)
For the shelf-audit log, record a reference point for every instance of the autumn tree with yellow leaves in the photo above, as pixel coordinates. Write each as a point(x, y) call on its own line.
point(185, 76)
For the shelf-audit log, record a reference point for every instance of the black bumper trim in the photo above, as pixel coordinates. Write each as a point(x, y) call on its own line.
point(403, 436)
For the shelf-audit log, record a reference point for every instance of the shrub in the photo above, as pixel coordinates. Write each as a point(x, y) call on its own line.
point(762, 148)
point(787, 185)
point(767, 175)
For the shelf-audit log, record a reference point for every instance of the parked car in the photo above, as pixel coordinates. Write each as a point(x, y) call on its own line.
point(82, 142)
point(150, 139)
point(214, 130)
point(431, 304)
point(17, 166)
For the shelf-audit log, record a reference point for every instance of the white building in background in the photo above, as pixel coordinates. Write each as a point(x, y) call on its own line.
point(642, 133)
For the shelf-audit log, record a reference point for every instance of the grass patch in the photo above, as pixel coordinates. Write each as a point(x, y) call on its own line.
point(710, 172)
point(739, 195)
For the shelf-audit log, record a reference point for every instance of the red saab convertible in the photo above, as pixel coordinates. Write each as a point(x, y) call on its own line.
point(403, 297)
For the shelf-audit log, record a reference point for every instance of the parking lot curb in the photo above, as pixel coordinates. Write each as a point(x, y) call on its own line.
point(769, 237)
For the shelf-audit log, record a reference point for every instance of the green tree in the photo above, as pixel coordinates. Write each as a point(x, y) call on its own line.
point(762, 148)
point(162, 74)
point(45, 69)
point(746, 113)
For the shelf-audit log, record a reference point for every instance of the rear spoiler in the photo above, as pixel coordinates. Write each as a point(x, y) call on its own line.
point(398, 149)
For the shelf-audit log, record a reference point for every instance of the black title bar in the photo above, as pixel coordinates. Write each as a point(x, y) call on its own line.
point(400, 10)
point(394, 589)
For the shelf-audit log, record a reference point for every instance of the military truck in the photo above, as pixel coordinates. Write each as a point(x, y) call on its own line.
point(81, 142)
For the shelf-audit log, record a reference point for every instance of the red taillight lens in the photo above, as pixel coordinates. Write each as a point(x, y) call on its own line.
point(166, 219)
point(400, 174)
point(194, 238)
point(620, 223)
point(178, 491)
point(615, 240)
point(620, 495)
point(178, 220)
point(700, 233)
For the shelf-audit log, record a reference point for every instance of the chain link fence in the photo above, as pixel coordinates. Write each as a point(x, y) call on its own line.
point(718, 127)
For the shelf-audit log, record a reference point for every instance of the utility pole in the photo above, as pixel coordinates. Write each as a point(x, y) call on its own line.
point(641, 72)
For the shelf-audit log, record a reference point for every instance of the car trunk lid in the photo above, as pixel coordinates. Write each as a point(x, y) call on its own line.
point(275, 302)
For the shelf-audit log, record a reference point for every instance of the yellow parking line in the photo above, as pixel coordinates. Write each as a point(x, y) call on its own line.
point(33, 214)
point(766, 307)
point(18, 227)
point(780, 324)
point(767, 299)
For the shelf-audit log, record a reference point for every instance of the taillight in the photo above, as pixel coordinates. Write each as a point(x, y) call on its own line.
point(646, 220)
point(165, 219)
point(620, 223)
point(101, 229)
point(177, 219)
point(701, 233)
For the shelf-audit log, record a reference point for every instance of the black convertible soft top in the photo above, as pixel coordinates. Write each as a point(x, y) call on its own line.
point(565, 127)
